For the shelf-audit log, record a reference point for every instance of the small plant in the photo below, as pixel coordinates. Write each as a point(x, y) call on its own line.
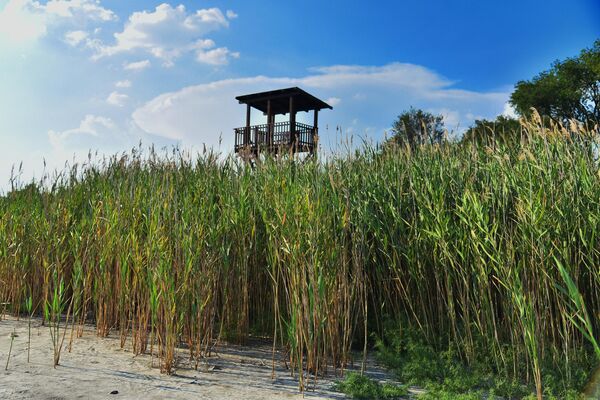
point(13, 335)
point(359, 386)
point(29, 308)
point(53, 311)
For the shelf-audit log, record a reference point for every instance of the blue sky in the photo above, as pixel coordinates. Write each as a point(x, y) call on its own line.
point(103, 75)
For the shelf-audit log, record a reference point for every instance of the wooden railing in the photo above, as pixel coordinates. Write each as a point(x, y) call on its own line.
point(275, 138)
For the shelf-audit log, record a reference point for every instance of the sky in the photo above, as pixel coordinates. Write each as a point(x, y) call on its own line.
point(103, 75)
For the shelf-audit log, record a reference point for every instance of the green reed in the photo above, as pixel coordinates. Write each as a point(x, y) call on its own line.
point(487, 246)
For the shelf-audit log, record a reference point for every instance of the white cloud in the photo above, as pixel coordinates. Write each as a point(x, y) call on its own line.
point(473, 117)
point(169, 32)
point(82, 38)
point(200, 114)
point(137, 66)
point(123, 84)
point(207, 16)
point(80, 9)
point(218, 56)
point(396, 74)
point(333, 101)
point(509, 111)
point(117, 99)
point(22, 21)
point(95, 134)
point(231, 14)
point(28, 20)
point(204, 44)
point(73, 38)
point(91, 125)
point(452, 118)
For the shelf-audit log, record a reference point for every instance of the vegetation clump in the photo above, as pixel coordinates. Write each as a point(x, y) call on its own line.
point(358, 386)
point(569, 90)
point(439, 369)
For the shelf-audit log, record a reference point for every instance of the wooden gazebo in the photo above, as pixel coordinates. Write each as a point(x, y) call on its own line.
point(279, 137)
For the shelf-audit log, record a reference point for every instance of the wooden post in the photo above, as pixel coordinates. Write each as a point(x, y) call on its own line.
point(315, 136)
point(269, 125)
point(247, 130)
point(272, 138)
point(293, 140)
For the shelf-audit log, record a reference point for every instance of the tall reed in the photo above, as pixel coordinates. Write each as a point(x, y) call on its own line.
point(489, 245)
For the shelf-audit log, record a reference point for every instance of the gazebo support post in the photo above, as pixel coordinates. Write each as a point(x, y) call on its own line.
point(247, 130)
point(293, 139)
point(269, 125)
point(315, 134)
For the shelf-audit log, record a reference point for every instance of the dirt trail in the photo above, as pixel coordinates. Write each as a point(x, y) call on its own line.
point(98, 366)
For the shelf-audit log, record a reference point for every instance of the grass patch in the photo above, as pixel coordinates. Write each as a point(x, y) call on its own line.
point(358, 386)
point(445, 375)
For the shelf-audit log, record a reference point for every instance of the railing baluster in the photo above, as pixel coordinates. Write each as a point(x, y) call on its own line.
point(280, 136)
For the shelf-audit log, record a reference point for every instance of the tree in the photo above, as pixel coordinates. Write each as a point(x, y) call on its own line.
point(570, 89)
point(415, 127)
point(502, 129)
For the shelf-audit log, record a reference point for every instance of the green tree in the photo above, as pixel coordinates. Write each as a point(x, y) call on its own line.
point(570, 89)
point(415, 127)
point(502, 129)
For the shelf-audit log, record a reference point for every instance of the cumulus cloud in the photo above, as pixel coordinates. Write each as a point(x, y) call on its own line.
point(123, 84)
point(397, 74)
point(452, 118)
point(207, 113)
point(74, 38)
point(81, 9)
point(218, 56)
point(22, 21)
point(137, 65)
point(231, 14)
point(27, 20)
point(168, 32)
point(117, 99)
point(90, 126)
point(98, 135)
point(82, 39)
point(333, 101)
point(509, 111)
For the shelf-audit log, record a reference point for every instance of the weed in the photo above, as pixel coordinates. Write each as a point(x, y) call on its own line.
point(358, 386)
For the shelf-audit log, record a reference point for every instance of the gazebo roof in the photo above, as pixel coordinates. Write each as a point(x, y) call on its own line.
point(280, 103)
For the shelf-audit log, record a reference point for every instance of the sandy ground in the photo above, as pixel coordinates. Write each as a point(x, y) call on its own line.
point(98, 366)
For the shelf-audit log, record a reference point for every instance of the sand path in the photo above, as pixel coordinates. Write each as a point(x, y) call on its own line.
point(98, 366)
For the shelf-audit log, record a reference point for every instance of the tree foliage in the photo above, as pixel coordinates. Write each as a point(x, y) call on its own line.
point(416, 127)
point(570, 89)
point(502, 129)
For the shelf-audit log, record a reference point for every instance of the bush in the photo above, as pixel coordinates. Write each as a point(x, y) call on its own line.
point(361, 387)
point(445, 375)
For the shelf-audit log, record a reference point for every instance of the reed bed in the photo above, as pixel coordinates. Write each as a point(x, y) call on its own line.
point(492, 247)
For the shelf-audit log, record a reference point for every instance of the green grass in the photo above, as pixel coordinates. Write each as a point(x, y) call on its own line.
point(482, 250)
point(359, 386)
point(443, 374)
